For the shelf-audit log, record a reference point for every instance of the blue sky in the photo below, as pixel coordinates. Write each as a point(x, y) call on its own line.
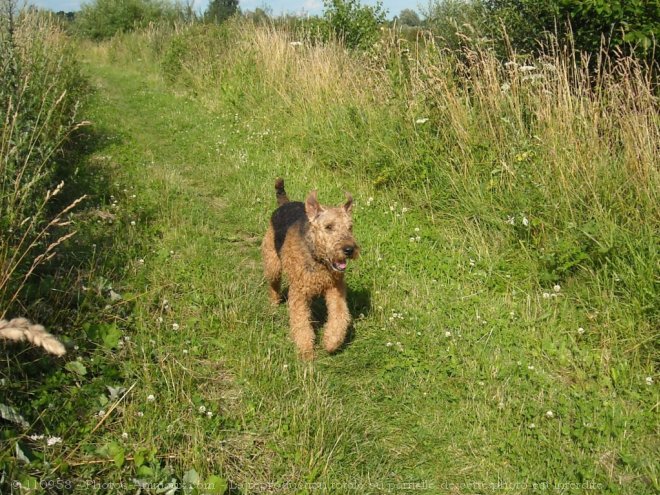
point(278, 6)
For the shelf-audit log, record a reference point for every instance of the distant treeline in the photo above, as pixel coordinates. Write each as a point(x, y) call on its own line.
point(617, 26)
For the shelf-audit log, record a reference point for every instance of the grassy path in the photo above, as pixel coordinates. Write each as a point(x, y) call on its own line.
point(461, 377)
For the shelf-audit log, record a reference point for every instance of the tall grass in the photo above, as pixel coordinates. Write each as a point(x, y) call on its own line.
point(40, 89)
point(544, 155)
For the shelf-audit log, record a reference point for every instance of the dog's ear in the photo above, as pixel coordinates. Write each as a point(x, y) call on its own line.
point(312, 206)
point(348, 206)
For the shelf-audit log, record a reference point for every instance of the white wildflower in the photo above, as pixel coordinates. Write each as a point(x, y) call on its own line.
point(389, 344)
point(209, 414)
point(151, 397)
point(649, 380)
point(422, 120)
point(141, 261)
point(202, 409)
point(53, 440)
point(447, 334)
point(549, 414)
point(525, 221)
point(546, 295)
point(175, 326)
point(140, 414)
point(511, 220)
point(557, 288)
point(36, 437)
point(505, 87)
point(133, 223)
point(580, 331)
point(124, 435)
point(527, 68)
point(295, 43)
point(532, 426)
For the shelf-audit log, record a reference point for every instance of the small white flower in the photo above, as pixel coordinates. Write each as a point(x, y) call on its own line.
point(127, 338)
point(53, 440)
point(418, 238)
point(389, 344)
point(505, 87)
point(185, 351)
point(141, 261)
point(500, 405)
point(285, 366)
point(527, 68)
point(580, 331)
point(171, 253)
point(447, 334)
point(140, 414)
point(416, 229)
point(295, 43)
point(532, 426)
point(36, 437)
point(159, 320)
point(124, 435)
point(530, 367)
point(472, 262)
point(391, 208)
point(546, 295)
point(511, 220)
point(175, 326)
point(510, 64)
point(202, 409)
point(412, 239)
point(404, 210)
point(556, 288)
point(151, 397)
point(133, 223)
point(525, 221)
point(209, 414)
point(649, 380)
point(75, 347)
point(422, 120)
point(370, 200)
point(101, 413)
point(549, 414)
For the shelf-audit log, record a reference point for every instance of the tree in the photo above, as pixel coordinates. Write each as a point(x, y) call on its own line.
point(220, 10)
point(358, 26)
point(408, 17)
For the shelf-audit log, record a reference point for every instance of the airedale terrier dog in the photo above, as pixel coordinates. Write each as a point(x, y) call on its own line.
point(311, 244)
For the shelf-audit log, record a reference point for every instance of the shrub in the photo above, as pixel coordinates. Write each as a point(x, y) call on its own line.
point(101, 19)
point(358, 26)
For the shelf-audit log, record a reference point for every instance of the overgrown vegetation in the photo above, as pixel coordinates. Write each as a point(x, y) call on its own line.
point(40, 88)
point(505, 303)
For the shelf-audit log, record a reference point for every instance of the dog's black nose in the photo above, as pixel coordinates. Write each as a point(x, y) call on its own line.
point(348, 250)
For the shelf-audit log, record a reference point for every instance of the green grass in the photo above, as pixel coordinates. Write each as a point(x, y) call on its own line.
point(458, 353)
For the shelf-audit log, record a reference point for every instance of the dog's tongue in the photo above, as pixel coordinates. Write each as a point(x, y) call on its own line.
point(341, 265)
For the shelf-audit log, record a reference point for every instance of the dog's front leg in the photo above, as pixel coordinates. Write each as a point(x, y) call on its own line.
point(300, 316)
point(338, 317)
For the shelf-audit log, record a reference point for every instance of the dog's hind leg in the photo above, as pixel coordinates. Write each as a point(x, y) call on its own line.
point(272, 266)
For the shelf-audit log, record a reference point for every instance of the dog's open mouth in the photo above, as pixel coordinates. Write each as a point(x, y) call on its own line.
point(339, 266)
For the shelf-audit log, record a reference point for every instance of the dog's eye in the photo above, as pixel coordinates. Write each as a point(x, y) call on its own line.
point(330, 226)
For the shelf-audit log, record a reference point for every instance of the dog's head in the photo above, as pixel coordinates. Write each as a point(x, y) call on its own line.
point(331, 232)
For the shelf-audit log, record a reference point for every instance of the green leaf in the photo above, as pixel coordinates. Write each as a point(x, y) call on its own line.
point(216, 485)
point(76, 367)
point(191, 477)
point(110, 335)
point(10, 414)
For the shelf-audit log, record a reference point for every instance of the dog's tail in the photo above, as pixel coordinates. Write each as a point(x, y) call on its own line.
point(20, 329)
point(280, 193)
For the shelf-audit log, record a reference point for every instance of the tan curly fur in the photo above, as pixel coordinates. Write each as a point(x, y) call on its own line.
point(21, 329)
point(316, 243)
